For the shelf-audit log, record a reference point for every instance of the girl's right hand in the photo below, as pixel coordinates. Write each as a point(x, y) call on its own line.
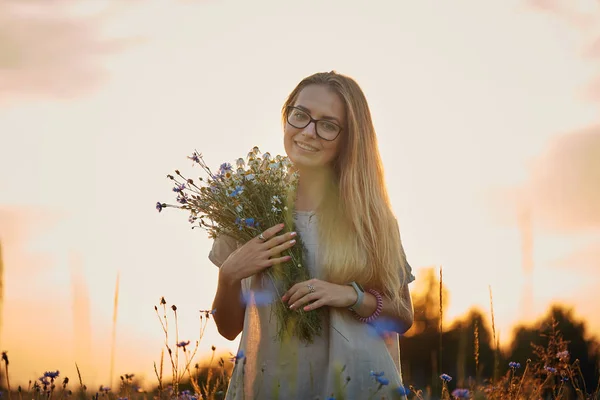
point(257, 255)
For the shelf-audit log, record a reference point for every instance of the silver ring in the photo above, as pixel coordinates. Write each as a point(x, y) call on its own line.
point(261, 237)
point(311, 288)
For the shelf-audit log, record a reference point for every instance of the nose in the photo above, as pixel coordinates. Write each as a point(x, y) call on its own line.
point(310, 130)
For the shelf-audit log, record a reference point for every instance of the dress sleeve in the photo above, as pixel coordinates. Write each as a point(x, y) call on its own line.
point(222, 247)
point(409, 272)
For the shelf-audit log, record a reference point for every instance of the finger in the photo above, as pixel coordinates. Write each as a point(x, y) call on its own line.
point(281, 248)
point(304, 300)
point(277, 260)
point(272, 231)
point(298, 294)
point(279, 239)
point(315, 304)
point(290, 292)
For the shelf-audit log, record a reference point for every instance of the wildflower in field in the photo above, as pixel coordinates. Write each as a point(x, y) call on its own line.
point(445, 377)
point(460, 393)
point(514, 365)
point(183, 344)
point(104, 389)
point(402, 391)
point(51, 374)
point(382, 381)
point(550, 369)
point(240, 356)
point(160, 206)
point(376, 374)
point(562, 355)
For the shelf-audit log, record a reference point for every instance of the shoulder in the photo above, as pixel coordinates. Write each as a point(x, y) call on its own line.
point(223, 246)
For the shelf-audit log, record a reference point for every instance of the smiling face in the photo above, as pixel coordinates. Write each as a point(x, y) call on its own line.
point(302, 145)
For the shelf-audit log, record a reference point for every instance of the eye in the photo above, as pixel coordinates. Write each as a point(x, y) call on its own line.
point(299, 115)
point(329, 127)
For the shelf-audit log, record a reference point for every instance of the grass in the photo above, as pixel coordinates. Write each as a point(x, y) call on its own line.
point(549, 375)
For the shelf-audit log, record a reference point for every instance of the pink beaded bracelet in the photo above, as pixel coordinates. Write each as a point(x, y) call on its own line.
point(377, 311)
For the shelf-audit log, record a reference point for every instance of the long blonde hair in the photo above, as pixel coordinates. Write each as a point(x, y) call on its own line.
point(359, 235)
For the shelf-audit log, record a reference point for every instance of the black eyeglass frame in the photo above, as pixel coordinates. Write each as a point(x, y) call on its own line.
point(311, 119)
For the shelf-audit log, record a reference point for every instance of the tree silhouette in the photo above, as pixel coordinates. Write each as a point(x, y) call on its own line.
point(426, 302)
point(421, 345)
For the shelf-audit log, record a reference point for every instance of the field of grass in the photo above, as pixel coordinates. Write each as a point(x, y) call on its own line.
point(548, 375)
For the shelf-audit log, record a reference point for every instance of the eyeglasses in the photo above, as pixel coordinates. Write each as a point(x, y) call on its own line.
point(325, 129)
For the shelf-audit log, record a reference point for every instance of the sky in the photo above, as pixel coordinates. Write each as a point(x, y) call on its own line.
point(486, 112)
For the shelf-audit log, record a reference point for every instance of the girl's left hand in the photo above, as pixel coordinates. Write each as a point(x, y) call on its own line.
point(319, 293)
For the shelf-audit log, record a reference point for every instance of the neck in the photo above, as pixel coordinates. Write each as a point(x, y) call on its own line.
point(312, 184)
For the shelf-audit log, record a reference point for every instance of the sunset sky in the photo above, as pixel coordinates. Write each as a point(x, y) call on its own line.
point(483, 109)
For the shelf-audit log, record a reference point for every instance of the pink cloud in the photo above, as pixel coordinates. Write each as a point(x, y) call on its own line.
point(565, 183)
point(563, 187)
point(45, 51)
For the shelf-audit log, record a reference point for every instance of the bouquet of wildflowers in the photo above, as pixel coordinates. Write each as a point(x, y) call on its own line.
point(241, 202)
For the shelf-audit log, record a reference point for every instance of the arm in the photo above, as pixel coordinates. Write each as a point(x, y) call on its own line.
point(343, 296)
point(230, 310)
point(404, 317)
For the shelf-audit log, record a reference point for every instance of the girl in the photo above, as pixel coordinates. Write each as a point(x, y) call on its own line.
point(353, 251)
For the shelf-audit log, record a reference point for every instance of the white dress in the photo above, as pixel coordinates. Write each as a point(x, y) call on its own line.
point(295, 370)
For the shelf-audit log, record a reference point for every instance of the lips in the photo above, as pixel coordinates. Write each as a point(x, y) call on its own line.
point(306, 147)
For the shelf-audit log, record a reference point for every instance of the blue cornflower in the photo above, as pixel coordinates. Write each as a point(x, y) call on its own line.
point(183, 343)
point(240, 355)
point(225, 167)
point(382, 381)
point(445, 377)
point(249, 222)
point(160, 206)
point(376, 374)
point(514, 365)
point(460, 393)
point(51, 375)
point(195, 157)
point(550, 369)
point(236, 191)
point(182, 198)
point(402, 391)
point(179, 188)
point(331, 398)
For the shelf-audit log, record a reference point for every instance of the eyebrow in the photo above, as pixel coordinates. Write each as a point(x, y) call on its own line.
point(324, 117)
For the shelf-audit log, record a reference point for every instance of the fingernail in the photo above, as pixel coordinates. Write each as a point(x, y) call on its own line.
point(292, 234)
point(281, 225)
point(292, 241)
